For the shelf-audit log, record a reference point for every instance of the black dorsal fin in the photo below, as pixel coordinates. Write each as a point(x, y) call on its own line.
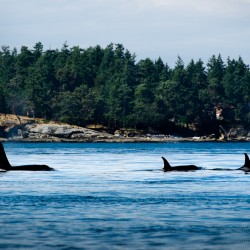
point(247, 161)
point(4, 163)
point(166, 164)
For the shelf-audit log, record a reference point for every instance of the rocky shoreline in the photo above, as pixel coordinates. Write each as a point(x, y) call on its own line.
point(25, 129)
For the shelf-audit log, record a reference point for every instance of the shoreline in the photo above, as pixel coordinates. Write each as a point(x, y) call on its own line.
point(24, 129)
point(121, 140)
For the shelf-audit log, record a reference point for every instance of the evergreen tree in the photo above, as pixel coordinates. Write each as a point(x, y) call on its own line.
point(75, 107)
point(215, 91)
point(237, 88)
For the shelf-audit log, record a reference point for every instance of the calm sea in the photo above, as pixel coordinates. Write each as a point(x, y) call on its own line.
point(115, 196)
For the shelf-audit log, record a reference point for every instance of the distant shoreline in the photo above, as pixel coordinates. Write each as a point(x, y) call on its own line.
point(121, 140)
point(24, 129)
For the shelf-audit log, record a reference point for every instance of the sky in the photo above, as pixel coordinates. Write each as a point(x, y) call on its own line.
point(191, 29)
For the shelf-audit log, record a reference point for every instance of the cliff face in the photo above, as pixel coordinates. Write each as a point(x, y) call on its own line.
point(23, 128)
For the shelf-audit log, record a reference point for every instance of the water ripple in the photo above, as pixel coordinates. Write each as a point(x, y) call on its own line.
point(115, 196)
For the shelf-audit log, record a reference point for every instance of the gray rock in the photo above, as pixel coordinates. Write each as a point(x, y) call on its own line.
point(238, 132)
point(53, 131)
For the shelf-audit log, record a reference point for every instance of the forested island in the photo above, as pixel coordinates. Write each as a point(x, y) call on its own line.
point(108, 87)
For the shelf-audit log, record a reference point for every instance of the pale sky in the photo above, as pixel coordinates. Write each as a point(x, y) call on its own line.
point(192, 29)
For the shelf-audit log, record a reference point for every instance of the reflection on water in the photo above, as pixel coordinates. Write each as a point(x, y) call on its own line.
point(115, 196)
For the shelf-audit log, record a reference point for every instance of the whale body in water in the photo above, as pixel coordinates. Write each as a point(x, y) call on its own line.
point(245, 167)
point(5, 165)
point(167, 167)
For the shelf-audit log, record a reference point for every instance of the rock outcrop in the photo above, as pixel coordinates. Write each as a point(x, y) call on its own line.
point(239, 134)
point(23, 128)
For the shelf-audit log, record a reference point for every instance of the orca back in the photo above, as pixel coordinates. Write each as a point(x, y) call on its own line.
point(4, 163)
point(185, 168)
point(32, 168)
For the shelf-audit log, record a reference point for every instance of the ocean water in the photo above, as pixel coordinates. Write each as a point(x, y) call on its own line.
point(115, 196)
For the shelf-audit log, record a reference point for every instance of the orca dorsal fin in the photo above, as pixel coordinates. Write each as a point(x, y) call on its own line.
point(247, 161)
point(166, 164)
point(4, 163)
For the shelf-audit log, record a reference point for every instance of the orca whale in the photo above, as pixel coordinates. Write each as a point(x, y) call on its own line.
point(246, 166)
point(167, 167)
point(5, 165)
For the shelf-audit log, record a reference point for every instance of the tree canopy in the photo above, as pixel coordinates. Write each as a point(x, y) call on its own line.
point(108, 86)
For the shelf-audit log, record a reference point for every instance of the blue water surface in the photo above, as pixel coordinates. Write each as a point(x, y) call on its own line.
point(115, 196)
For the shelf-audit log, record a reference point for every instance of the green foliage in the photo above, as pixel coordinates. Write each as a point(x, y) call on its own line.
point(2, 101)
point(107, 86)
point(75, 107)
